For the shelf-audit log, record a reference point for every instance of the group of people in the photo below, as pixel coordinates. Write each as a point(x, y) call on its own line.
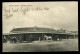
point(13, 39)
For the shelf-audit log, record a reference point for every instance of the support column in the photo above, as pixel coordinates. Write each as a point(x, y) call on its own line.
point(20, 38)
point(66, 36)
point(31, 37)
point(8, 39)
point(17, 38)
point(46, 39)
point(26, 37)
point(52, 36)
point(42, 36)
point(51, 39)
point(74, 36)
point(39, 39)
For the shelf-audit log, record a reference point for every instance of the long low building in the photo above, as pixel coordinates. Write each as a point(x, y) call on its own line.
point(38, 34)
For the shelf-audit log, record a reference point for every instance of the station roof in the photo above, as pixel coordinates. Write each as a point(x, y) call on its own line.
point(37, 30)
point(9, 33)
point(33, 30)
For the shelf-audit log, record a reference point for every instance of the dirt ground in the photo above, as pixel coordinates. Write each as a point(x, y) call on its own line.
point(43, 46)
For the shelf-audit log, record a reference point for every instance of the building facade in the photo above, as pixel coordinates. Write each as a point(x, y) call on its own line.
point(30, 34)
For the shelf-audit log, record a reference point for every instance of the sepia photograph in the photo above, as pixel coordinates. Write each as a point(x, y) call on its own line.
point(40, 26)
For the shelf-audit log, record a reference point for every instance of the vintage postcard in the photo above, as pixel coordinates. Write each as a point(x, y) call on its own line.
point(40, 26)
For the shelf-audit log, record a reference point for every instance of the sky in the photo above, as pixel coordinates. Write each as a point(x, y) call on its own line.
point(59, 15)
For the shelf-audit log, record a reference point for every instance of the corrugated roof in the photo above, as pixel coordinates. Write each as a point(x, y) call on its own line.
point(9, 33)
point(37, 30)
point(33, 30)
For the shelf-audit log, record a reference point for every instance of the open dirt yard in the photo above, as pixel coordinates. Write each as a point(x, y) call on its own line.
point(43, 46)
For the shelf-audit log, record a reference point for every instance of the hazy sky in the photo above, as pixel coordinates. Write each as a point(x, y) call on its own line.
point(59, 15)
